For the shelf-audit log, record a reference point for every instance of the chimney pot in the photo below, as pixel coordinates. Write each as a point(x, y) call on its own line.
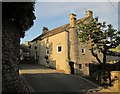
point(89, 14)
point(45, 30)
point(72, 20)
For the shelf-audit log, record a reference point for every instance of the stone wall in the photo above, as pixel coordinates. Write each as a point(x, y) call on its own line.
point(10, 55)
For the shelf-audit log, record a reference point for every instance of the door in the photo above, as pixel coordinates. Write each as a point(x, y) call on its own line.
point(71, 67)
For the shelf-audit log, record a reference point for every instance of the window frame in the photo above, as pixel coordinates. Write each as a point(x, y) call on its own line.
point(80, 66)
point(58, 48)
point(47, 51)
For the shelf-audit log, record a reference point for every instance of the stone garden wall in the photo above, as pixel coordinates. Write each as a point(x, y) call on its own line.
point(10, 55)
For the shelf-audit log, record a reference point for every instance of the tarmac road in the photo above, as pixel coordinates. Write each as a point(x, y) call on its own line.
point(42, 79)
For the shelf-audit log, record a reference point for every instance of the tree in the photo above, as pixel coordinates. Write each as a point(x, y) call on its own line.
point(19, 14)
point(101, 37)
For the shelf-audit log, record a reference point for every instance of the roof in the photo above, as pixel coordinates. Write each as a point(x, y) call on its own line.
point(24, 48)
point(57, 30)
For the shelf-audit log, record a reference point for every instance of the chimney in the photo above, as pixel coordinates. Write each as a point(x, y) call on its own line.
point(89, 14)
point(27, 43)
point(72, 20)
point(45, 30)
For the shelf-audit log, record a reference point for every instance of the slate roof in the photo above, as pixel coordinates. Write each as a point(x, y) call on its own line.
point(58, 30)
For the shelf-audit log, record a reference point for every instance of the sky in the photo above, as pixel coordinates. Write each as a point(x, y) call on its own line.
point(55, 14)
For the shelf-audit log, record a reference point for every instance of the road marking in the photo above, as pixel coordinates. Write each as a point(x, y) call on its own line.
point(30, 89)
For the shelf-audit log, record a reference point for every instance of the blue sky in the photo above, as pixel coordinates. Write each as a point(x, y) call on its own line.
point(55, 14)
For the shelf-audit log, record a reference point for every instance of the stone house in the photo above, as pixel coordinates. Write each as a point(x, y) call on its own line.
point(24, 51)
point(61, 49)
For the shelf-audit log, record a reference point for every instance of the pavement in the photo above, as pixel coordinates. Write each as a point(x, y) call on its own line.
point(41, 79)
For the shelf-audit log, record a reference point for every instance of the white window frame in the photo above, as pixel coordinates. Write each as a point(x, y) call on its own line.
point(57, 48)
point(48, 51)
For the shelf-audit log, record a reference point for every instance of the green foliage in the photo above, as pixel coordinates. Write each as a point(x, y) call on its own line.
point(20, 14)
point(102, 37)
point(100, 33)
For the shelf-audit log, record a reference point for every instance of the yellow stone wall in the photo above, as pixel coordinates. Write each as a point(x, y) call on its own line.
point(56, 59)
point(59, 60)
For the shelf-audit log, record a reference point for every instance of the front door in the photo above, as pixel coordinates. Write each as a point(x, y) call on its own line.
point(71, 67)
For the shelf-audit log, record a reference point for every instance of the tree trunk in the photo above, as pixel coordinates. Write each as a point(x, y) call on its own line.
point(96, 56)
point(104, 57)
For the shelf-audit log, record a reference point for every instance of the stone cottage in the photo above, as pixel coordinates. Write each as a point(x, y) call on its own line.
point(61, 49)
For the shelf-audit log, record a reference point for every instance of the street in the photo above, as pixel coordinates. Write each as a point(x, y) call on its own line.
point(42, 79)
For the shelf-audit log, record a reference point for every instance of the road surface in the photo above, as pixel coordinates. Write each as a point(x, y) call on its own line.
point(42, 79)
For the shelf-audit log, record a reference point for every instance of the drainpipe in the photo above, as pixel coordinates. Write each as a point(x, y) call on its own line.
point(68, 43)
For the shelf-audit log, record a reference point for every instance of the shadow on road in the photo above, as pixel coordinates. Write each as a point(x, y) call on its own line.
point(58, 82)
point(52, 81)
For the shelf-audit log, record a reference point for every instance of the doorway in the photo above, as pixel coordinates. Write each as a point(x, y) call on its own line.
point(71, 67)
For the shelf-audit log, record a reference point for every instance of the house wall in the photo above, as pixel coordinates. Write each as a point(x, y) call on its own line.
point(57, 60)
point(60, 60)
point(71, 49)
point(88, 58)
point(84, 59)
point(35, 50)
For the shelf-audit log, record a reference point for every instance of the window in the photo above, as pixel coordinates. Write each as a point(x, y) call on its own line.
point(80, 66)
point(35, 47)
point(30, 46)
point(87, 64)
point(47, 51)
point(46, 57)
point(47, 40)
point(83, 51)
point(59, 48)
point(27, 54)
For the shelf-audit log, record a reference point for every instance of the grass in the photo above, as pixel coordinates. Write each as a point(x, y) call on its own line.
point(117, 49)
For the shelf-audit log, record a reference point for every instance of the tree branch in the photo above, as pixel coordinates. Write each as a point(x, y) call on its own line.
point(95, 55)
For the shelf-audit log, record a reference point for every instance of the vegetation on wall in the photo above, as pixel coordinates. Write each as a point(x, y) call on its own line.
point(16, 19)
